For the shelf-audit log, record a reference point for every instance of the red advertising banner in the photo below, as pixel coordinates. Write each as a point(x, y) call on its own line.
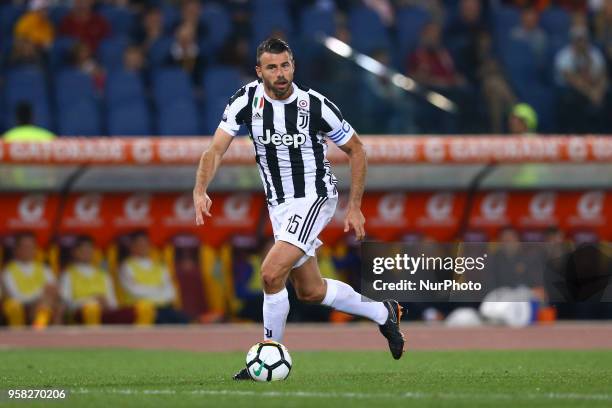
point(389, 216)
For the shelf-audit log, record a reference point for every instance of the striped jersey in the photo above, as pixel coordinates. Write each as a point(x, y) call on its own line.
point(289, 137)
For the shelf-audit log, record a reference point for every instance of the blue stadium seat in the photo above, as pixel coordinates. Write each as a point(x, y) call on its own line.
point(170, 85)
point(266, 22)
point(82, 119)
point(410, 22)
point(178, 119)
point(171, 16)
point(59, 54)
point(315, 21)
point(57, 13)
point(110, 52)
point(159, 52)
point(124, 87)
point(267, 5)
point(213, 111)
point(367, 30)
point(218, 24)
point(504, 19)
point(221, 81)
point(27, 84)
point(131, 119)
point(121, 19)
point(556, 21)
point(520, 63)
point(73, 87)
point(8, 16)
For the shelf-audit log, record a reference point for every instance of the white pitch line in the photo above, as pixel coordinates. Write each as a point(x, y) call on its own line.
point(352, 395)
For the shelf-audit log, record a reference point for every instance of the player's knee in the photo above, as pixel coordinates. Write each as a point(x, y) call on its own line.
point(311, 294)
point(272, 278)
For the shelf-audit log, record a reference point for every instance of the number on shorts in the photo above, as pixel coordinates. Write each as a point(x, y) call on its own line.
point(294, 223)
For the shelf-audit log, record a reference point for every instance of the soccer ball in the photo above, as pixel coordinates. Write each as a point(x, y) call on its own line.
point(268, 361)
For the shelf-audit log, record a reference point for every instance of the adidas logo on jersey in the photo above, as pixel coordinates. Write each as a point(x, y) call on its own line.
point(295, 140)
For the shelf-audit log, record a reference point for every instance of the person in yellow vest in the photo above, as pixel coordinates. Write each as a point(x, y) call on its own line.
point(25, 130)
point(30, 285)
point(35, 25)
point(145, 280)
point(85, 288)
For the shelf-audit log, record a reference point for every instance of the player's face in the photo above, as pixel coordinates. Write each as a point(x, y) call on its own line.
point(25, 250)
point(276, 72)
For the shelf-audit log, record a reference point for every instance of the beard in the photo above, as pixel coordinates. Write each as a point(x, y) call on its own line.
point(279, 89)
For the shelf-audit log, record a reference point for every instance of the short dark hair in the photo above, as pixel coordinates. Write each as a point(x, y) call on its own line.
point(23, 113)
point(83, 239)
point(273, 46)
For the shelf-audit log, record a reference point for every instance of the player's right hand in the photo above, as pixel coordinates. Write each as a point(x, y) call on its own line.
point(201, 204)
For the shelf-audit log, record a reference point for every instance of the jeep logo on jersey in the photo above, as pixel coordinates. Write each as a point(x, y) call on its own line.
point(295, 140)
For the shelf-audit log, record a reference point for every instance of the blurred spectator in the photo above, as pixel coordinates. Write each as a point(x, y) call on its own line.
point(235, 53)
point(462, 35)
point(191, 11)
point(148, 281)
point(30, 287)
point(523, 120)
point(530, 32)
point(85, 288)
point(84, 24)
point(150, 29)
point(185, 51)
point(35, 26)
point(25, 52)
point(603, 31)
point(431, 64)
point(133, 59)
point(25, 130)
point(496, 91)
point(580, 71)
point(388, 106)
point(384, 9)
point(83, 59)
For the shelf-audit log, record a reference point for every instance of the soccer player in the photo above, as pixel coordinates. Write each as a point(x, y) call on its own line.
point(289, 125)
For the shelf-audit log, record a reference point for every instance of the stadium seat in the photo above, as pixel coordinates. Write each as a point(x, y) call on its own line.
point(178, 119)
point(504, 19)
point(170, 85)
point(27, 84)
point(213, 111)
point(73, 87)
point(59, 54)
point(410, 22)
point(218, 24)
point(315, 21)
point(221, 81)
point(266, 22)
point(367, 30)
point(110, 52)
point(57, 13)
point(8, 16)
point(124, 87)
point(555, 21)
point(159, 52)
point(132, 119)
point(121, 19)
point(82, 119)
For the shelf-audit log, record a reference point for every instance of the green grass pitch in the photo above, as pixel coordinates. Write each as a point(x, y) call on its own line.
point(135, 378)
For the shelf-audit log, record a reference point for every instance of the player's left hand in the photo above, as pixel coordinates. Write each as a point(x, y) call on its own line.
point(355, 219)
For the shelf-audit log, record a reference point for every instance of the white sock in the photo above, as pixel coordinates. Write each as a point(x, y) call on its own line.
point(342, 297)
point(275, 311)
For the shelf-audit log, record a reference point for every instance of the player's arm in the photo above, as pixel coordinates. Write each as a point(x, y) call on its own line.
point(209, 163)
point(358, 162)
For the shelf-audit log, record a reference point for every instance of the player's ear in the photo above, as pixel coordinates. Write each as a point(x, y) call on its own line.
point(258, 71)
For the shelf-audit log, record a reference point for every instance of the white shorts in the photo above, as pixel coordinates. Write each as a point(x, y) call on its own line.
point(299, 221)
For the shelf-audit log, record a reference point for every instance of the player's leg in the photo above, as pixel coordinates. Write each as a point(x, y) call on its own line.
point(274, 273)
point(311, 287)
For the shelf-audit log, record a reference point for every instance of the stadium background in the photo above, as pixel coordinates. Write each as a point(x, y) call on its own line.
point(167, 69)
